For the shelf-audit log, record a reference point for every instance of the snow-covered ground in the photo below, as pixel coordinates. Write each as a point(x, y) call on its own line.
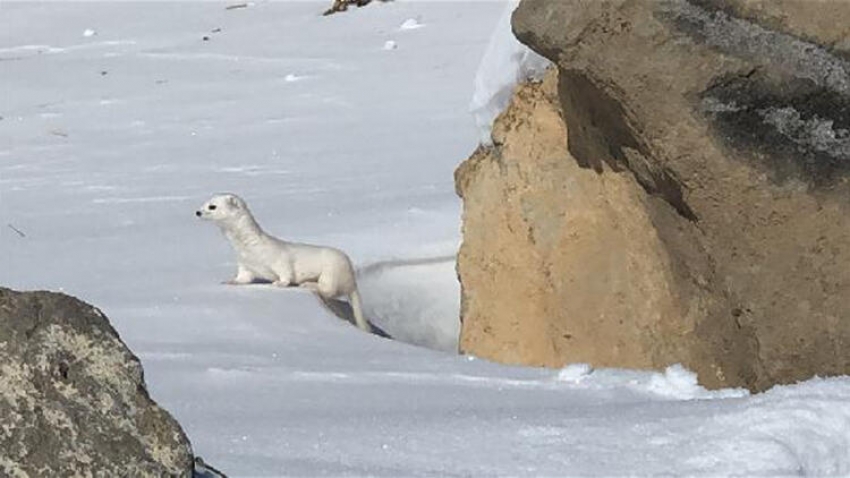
point(119, 119)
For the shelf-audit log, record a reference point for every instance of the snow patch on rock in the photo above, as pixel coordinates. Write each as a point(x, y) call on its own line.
point(505, 63)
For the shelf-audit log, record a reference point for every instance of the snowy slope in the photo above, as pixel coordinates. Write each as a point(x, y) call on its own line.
point(109, 141)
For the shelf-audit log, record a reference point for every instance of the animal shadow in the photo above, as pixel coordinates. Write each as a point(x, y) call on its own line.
point(342, 309)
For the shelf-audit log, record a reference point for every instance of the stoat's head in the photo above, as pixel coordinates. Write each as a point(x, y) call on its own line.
point(223, 208)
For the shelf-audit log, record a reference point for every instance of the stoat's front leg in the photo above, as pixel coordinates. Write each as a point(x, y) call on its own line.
point(243, 276)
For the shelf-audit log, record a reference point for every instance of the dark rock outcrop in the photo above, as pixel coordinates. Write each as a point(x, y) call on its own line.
point(733, 118)
point(72, 396)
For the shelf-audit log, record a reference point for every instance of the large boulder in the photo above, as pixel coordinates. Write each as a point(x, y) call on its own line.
point(696, 207)
point(73, 400)
point(560, 264)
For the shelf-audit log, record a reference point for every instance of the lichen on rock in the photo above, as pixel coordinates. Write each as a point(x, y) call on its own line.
point(72, 396)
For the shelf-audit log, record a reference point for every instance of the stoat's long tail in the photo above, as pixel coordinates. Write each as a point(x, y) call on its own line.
point(357, 309)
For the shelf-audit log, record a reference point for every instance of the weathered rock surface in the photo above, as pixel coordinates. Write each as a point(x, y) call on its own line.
point(72, 396)
point(683, 193)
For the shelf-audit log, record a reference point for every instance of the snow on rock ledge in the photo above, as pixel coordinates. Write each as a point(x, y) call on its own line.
point(505, 63)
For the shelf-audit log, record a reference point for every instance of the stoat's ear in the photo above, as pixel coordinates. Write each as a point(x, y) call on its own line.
point(232, 201)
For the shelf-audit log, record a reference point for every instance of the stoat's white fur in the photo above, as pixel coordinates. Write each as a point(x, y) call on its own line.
point(262, 257)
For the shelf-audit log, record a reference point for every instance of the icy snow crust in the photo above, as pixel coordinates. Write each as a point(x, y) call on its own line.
point(109, 141)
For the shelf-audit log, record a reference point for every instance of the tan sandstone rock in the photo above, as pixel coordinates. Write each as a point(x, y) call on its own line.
point(559, 263)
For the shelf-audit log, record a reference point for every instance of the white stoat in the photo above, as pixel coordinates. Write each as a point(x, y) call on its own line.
point(262, 257)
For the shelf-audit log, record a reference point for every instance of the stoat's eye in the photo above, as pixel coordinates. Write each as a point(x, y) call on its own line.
point(211, 207)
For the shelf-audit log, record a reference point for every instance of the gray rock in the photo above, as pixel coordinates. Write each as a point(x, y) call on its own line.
point(73, 400)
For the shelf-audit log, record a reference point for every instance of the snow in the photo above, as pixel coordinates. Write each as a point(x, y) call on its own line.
point(416, 301)
point(575, 372)
point(411, 24)
point(506, 63)
point(108, 144)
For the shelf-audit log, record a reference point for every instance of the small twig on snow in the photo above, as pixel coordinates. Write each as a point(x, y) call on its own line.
point(20, 233)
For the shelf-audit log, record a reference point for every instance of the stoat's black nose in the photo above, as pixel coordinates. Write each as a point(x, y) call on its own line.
point(198, 213)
